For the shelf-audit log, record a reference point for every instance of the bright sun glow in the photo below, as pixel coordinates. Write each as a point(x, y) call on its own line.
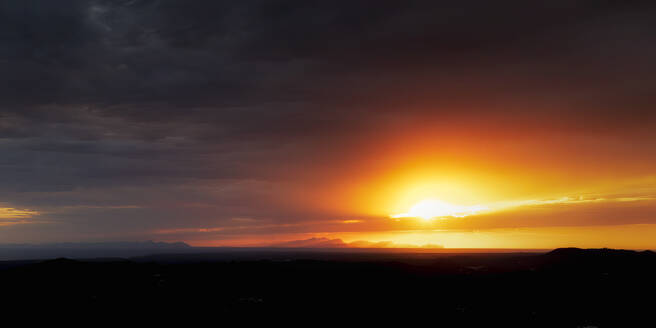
point(431, 208)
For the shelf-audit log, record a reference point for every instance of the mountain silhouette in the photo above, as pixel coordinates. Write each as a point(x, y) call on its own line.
point(566, 287)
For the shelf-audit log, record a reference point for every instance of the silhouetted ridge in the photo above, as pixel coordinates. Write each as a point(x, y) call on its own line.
point(578, 252)
point(60, 262)
point(602, 261)
point(567, 287)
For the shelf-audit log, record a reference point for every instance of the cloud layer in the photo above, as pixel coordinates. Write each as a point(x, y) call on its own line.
point(122, 119)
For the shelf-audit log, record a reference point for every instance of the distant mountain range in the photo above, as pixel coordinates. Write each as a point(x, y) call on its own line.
point(88, 250)
point(104, 250)
point(338, 243)
point(102, 245)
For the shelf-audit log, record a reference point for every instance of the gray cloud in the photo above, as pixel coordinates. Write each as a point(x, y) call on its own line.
point(164, 98)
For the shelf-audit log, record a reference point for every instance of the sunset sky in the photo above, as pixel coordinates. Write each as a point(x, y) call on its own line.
point(462, 124)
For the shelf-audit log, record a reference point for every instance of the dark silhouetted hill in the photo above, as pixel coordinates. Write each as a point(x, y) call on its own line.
point(562, 288)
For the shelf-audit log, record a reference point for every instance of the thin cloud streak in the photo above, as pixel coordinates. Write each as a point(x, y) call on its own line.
point(566, 200)
point(14, 213)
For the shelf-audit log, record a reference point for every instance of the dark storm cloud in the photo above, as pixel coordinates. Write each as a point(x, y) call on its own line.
point(170, 54)
point(153, 95)
point(220, 62)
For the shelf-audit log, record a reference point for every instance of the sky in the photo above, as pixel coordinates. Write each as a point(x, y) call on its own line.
point(513, 124)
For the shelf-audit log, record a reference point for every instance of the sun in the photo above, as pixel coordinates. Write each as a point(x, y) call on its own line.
point(432, 208)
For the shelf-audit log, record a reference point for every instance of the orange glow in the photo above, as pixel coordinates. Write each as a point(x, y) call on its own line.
point(465, 191)
point(641, 237)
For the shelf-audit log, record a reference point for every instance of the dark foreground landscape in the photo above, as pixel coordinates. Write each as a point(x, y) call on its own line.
point(561, 288)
